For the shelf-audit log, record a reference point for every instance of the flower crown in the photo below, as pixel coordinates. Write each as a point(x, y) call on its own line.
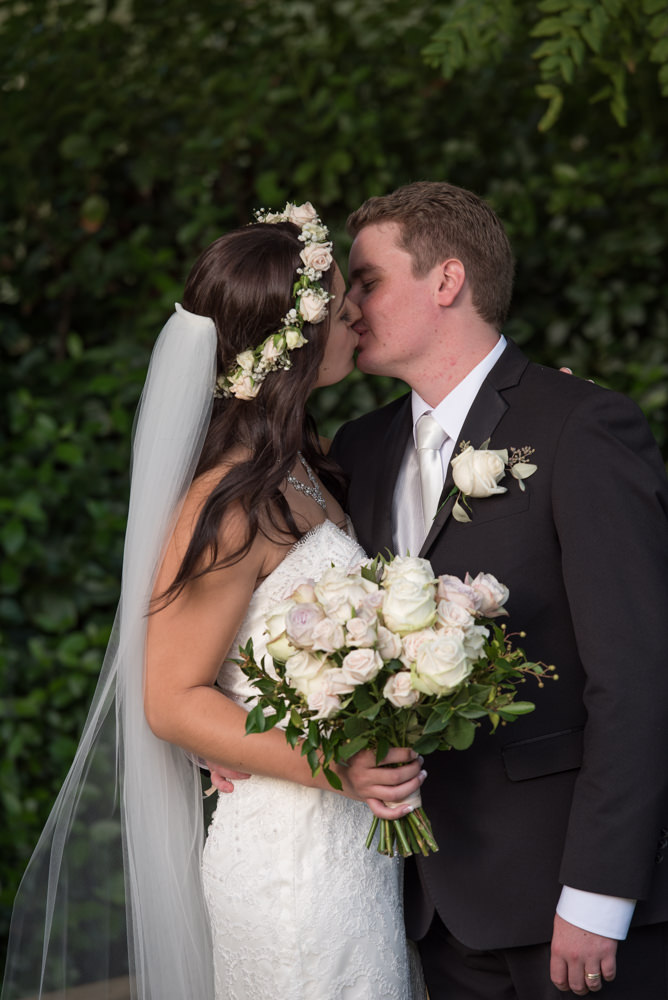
point(245, 378)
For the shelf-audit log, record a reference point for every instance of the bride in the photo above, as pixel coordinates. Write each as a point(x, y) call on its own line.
point(233, 502)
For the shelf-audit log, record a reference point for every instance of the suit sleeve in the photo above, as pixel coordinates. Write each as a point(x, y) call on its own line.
point(610, 508)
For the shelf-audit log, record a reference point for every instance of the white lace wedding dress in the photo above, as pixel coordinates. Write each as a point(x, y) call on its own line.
point(300, 909)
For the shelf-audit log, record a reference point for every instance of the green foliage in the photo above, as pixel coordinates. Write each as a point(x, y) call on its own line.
point(133, 132)
point(600, 41)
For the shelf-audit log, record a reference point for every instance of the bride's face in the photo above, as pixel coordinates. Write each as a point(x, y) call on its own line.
point(338, 361)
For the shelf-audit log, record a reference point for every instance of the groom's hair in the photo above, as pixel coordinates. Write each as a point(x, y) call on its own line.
point(437, 221)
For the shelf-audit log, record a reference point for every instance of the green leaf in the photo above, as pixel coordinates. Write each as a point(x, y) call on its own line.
point(13, 535)
point(427, 744)
point(255, 721)
point(354, 746)
point(333, 779)
point(460, 733)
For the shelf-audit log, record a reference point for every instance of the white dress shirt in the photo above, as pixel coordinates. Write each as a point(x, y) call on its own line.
point(609, 916)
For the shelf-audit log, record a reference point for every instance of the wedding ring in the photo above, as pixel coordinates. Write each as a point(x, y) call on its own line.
point(592, 975)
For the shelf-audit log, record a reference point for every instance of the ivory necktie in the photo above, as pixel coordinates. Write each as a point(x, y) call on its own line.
point(429, 436)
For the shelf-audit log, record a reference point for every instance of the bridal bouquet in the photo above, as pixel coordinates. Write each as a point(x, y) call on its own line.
point(387, 656)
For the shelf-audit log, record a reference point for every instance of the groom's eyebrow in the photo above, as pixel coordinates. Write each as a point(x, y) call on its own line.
point(361, 271)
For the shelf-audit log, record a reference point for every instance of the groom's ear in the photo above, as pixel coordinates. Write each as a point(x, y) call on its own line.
point(451, 277)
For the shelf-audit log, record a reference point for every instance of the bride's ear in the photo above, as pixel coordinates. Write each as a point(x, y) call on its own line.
point(451, 277)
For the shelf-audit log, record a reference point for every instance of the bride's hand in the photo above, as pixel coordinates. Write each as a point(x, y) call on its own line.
point(222, 780)
point(381, 785)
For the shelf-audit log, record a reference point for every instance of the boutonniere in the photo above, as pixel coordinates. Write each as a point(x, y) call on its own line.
point(477, 471)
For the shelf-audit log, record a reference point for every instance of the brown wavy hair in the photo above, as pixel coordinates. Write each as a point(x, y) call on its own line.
point(244, 282)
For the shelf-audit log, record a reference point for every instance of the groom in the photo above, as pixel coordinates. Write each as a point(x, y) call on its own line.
point(552, 832)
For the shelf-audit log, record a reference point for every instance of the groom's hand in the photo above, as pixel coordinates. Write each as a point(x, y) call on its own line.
point(581, 961)
point(386, 786)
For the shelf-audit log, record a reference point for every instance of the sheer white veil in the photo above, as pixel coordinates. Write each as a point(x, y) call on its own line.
point(113, 889)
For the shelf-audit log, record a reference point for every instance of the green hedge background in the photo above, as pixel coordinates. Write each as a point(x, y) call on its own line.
point(134, 133)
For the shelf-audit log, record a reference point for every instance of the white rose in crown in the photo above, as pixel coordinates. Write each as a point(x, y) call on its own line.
point(493, 595)
point(441, 664)
point(409, 606)
point(304, 671)
point(399, 690)
point(300, 214)
point(246, 361)
point(328, 636)
point(476, 472)
point(361, 666)
point(243, 387)
point(273, 348)
point(294, 338)
point(314, 232)
point(317, 255)
point(341, 594)
point(300, 622)
point(312, 307)
point(278, 645)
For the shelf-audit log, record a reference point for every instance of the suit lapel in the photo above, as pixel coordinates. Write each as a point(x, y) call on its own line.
point(487, 410)
point(393, 449)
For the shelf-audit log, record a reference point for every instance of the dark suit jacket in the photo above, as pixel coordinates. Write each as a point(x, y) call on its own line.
point(576, 792)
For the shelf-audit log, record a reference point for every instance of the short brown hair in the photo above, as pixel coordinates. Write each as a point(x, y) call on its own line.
point(438, 221)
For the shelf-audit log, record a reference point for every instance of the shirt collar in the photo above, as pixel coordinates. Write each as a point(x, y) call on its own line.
point(451, 412)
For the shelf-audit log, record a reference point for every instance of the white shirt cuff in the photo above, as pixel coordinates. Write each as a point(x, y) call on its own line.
point(608, 916)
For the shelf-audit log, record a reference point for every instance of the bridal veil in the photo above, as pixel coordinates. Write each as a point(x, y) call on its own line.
point(113, 889)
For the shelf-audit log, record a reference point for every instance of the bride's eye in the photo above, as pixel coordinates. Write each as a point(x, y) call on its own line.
point(345, 317)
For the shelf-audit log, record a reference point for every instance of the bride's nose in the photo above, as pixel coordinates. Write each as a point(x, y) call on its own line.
point(353, 311)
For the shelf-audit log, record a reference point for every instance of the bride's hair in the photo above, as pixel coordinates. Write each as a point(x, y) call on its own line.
point(244, 282)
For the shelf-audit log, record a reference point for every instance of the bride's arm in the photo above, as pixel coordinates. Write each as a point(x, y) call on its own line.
point(186, 644)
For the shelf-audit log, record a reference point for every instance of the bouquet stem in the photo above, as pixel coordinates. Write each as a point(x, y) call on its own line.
point(412, 834)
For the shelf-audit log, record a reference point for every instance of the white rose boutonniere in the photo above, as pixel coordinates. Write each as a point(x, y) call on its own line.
point(478, 471)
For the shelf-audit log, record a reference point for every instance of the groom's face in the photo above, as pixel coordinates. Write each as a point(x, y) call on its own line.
point(399, 310)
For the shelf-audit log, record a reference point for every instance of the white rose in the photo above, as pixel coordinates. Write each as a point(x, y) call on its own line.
point(419, 571)
point(304, 671)
point(441, 664)
point(409, 606)
point(389, 644)
point(294, 338)
point(243, 387)
point(412, 642)
point(451, 588)
point(300, 622)
point(300, 214)
point(278, 646)
point(324, 704)
point(340, 593)
point(361, 632)
point(317, 255)
point(474, 641)
point(312, 306)
point(273, 348)
point(304, 593)
point(334, 681)
point(361, 666)
point(315, 232)
point(399, 690)
point(246, 361)
point(450, 614)
point(328, 636)
point(476, 473)
point(492, 594)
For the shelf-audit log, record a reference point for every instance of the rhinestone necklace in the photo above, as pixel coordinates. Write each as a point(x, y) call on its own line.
point(313, 490)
